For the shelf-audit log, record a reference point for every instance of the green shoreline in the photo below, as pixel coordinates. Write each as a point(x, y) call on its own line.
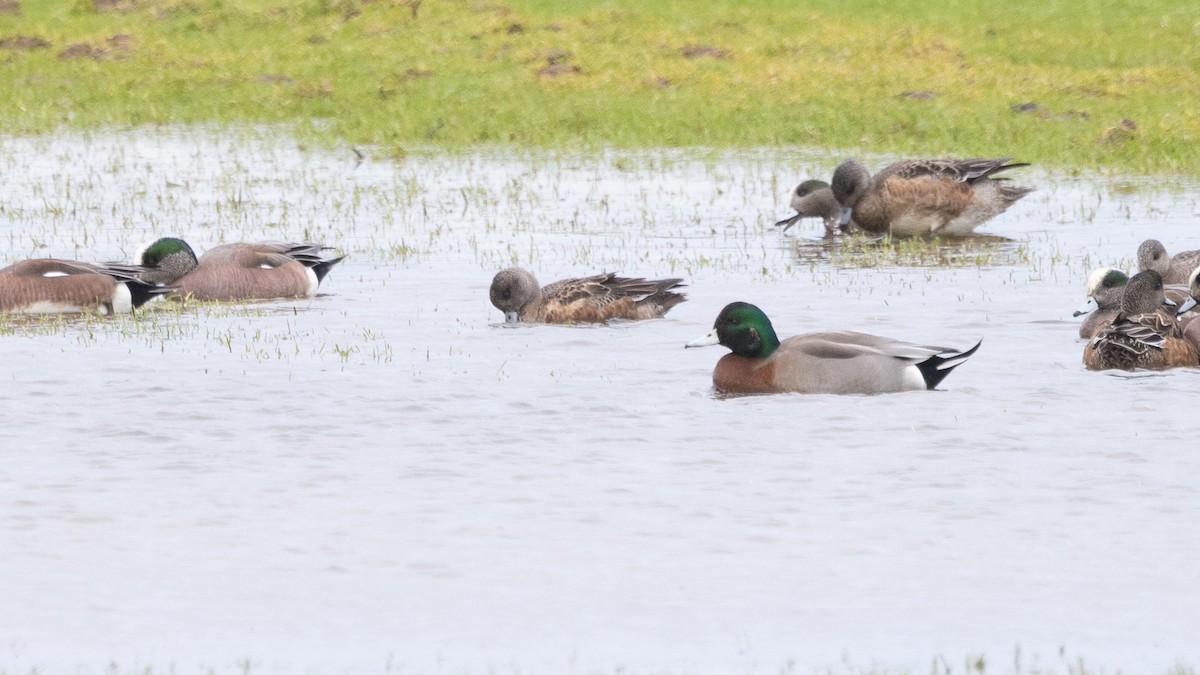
point(1111, 85)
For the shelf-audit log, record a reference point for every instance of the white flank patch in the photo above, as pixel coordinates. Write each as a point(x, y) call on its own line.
point(55, 275)
point(122, 302)
point(913, 379)
point(313, 283)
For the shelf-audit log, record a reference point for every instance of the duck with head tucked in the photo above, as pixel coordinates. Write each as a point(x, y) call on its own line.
point(1176, 269)
point(1145, 334)
point(836, 362)
point(593, 299)
point(242, 271)
point(814, 199)
point(925, 196)
point(55, 286)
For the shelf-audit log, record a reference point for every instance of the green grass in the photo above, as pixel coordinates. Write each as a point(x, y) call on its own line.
point(899, 76)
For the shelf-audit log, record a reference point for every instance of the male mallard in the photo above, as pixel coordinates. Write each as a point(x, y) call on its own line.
point(835, 362)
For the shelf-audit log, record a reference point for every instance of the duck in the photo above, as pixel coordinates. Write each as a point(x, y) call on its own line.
point(1145, 334)
point(594, 299)
point(925, 196)
point(57, 286)
point(238, 271)
point(1187, 312)
point(814, 199)
point(1152, 255)
point(834, 362)
point(1105, 287)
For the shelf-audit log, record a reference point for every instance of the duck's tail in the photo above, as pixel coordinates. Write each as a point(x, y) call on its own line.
point(935, 368)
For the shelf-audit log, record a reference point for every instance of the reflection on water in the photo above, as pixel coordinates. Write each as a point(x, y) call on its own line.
point(383, 478)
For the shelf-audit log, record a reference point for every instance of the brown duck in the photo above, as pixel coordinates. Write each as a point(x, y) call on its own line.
point(594, 299)
point(1144, 334)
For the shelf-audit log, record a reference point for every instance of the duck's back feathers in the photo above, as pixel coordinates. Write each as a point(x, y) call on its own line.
point(602, 297)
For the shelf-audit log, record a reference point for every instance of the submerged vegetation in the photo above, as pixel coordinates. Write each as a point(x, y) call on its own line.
point(1099, 83)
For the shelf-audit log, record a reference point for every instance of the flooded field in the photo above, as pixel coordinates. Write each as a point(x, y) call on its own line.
point(384, 478)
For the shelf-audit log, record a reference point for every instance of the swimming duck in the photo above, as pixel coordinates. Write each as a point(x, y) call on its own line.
point(594, 299)
point(241, 271)
point(1144, 333)
point(1176, 269)
point(54, 286)
point(1105, 287)
point(814, 199)
point(925, 196)
point(836, 362)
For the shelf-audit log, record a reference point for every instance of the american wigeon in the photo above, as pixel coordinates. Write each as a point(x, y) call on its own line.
point(1105, 287)
point(924, 196)
point(814, 199)
point(1144, 334)
point(53, 286)
point(242, 271)
point(838, 362)
point(1176, 269)
point(593, 299)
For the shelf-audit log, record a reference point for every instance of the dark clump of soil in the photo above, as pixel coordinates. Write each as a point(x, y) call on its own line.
point(702, 51)
point(114, 5)
point(10, 7)
point(1039, 110)
point(82, 50)
point(556, 64)
point(24, 42)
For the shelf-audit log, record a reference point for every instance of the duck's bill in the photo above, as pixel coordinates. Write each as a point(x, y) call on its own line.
point(786, 223)
point(844, 219)
point(1186, 305)
point(706, 340)
point(1089, 306)
point(511, 317)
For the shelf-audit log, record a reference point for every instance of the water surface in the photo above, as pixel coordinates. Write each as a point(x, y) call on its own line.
point(383, 478)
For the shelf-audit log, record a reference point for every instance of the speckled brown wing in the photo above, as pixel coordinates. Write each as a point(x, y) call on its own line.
point(604, 297)
point(958, 170)
point(1152, 341)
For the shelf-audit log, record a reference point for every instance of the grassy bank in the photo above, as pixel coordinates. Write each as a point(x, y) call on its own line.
point(1081, 83)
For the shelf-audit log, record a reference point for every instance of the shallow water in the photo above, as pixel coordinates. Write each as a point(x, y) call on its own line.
point(384, 478)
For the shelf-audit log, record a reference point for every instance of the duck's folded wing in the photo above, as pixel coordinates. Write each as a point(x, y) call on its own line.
point(960, 170)
point(848, 344)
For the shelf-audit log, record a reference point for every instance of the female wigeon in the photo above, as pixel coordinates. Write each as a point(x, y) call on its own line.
point(924, 196)
point(814, 199)
point(594, 299)
point(1144, 333)
point(1152, 255)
